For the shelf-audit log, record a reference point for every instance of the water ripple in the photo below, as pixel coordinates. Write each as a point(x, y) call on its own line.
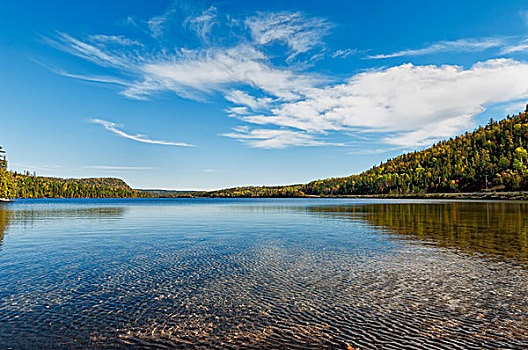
point(249, 287)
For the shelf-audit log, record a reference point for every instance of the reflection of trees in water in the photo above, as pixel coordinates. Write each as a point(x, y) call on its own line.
point(493, 229)
point(4, 223)
point(29, 217)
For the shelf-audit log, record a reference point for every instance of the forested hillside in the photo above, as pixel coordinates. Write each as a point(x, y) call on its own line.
point(48, 187)
point(7, 182)
point(14, 185)
point(493, 157)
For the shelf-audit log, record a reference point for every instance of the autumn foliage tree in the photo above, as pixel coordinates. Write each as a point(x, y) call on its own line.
point(7, 183)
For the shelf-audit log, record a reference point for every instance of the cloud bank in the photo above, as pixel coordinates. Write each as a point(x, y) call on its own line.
point(415, 105)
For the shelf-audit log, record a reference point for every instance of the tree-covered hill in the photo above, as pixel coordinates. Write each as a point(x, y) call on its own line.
point(492, 157)
point(14, 185)
point(28, 186)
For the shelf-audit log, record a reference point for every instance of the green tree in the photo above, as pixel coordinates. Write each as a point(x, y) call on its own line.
point(3, 161)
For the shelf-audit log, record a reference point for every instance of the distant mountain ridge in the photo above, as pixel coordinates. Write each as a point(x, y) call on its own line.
point(493, 157)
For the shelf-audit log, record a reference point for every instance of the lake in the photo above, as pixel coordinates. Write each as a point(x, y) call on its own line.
point(263, 273)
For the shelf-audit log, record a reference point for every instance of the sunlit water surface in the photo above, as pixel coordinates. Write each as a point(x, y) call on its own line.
point(271, 273)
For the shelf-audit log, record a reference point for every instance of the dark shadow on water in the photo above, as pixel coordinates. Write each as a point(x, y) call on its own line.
point(492, 229)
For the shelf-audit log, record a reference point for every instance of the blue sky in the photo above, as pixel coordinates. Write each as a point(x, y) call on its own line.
point(205, 95)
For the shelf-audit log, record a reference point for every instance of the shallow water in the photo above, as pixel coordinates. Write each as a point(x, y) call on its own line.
point(302, 273)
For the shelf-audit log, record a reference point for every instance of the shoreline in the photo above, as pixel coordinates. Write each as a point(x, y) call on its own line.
point(520, 195)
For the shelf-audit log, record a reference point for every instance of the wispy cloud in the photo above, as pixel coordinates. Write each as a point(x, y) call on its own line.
point(243, 98)
point(106, 79)
point(273, 138)
point(180, 15)
point(101, 56)
point(281, 105)
point(203, 23)
point(191, 73)
point(118, 168)
point(515, 47)
point(512, 107)
point(345, 53)
point(113, 127)
point(461, 45)
point(95, 78)
point(114, 39)
point(524, 16)
point(299, 33)
point(205, 71)
point(502, 45)
point(44, 167)
point(157, 25)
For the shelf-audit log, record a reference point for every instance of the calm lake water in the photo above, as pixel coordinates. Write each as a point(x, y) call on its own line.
point(260, 273)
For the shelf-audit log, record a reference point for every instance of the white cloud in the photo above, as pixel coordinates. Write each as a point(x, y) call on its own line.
point(243, 98)
point(276, 138)
point(410, 105)
point(113, 127)
point(299, 33)
point(461, 45)
point(237, 111)
point(405, 105)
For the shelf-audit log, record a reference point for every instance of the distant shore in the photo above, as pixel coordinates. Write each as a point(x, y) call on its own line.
point(487, 195)
point(519, 195)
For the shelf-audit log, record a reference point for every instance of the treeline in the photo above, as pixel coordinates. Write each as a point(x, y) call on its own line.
point(27, 186)
point(15, 185)
point(7, 182)
point(493, 157)
point(275, 191)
